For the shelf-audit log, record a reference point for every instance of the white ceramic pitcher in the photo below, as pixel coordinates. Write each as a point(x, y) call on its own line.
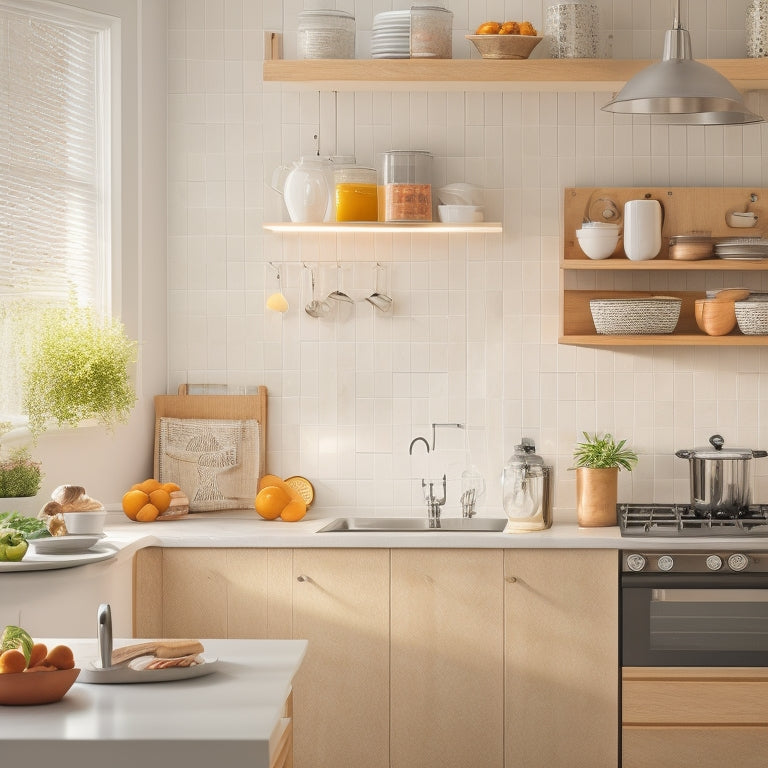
point(306, 189)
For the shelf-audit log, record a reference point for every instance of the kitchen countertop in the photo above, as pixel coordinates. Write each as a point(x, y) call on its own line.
point(225, 718)
point(243, 528)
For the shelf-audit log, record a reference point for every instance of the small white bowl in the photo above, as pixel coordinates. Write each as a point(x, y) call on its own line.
point(80, 523)
point(597, 243)
point(460, 213)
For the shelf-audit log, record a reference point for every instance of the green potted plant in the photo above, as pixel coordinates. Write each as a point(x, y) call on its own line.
point(597, 461)
point(20, 475)
point(77, 369)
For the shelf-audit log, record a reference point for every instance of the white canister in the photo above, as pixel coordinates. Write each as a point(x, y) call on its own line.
point(642, 229)
point(573, 30)
point(757, 29)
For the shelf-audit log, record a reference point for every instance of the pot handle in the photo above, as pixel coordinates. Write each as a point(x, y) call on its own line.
point(717, 442)
point(684, 454)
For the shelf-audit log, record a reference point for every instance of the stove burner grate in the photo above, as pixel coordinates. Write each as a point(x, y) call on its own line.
point(684, 520)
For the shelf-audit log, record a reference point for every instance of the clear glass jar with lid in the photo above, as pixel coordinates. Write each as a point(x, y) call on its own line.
point(527, 490)
point(326, 34)
point(356, 194)
point(405, 186)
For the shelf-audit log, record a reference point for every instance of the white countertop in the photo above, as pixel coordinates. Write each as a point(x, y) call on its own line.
point(244, 528)
point(225, 718)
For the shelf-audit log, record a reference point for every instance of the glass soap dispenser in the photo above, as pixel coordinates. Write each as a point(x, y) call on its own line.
point(527, 490)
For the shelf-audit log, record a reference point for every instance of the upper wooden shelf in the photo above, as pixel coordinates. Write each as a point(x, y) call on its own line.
point(607, 75)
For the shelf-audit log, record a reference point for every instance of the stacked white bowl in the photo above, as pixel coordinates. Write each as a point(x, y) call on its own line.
point(597, 239)
point(391, 35)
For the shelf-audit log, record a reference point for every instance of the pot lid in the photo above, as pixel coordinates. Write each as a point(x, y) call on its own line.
point(716, 451)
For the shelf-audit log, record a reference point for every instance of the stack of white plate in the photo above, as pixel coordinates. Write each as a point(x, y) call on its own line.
point(742, 248)
point(391, 35)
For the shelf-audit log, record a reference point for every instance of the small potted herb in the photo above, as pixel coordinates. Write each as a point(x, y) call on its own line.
point(597, 461)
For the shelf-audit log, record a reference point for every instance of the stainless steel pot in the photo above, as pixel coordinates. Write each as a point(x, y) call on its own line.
point(721, 483)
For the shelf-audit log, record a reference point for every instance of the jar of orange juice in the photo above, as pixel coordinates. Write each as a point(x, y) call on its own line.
point(356, 194)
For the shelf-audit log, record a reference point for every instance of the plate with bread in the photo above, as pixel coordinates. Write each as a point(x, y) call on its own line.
point(153, 661)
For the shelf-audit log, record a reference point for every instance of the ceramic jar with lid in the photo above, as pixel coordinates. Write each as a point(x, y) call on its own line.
point(756, 29)
point(431, 30)
point(326, 34)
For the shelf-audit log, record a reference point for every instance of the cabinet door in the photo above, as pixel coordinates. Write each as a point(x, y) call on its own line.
point(341, 692)
point(561, 650)
point(447, 686)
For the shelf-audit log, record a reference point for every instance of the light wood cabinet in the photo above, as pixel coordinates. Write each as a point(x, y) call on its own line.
point(341, 692)
point(417, 658)
point(561, 658)
point(447, 676)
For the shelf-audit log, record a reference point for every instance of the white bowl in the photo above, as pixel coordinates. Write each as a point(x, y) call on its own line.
point(459, 193)
point(79, 523)
point(460, 213)
point(597, 243)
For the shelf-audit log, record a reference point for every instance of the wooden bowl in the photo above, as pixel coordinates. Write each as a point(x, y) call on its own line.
point(504, 46)
point(716, 317)
point(23, 688)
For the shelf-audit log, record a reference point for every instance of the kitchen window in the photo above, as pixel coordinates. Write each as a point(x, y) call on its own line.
point(59, 133)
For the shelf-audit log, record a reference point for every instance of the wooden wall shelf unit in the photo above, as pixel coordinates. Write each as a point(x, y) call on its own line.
point(607, 75)
point(364, 227)
point(686, 210)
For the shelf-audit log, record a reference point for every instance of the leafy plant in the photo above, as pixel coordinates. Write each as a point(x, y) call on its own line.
point(603, 453)
point(19, 474)
point(77, 369)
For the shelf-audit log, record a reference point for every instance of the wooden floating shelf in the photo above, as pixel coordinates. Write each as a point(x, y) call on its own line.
point(409, 228)
point(665, 340)
point(568, 75)
point(664, 265)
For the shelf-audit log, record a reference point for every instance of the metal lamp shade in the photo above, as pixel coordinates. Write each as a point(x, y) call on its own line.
point(680, 90)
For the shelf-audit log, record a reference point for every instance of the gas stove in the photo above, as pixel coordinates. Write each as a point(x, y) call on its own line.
point(676, 520)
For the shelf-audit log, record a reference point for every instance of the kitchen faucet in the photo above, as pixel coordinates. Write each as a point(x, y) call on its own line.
point(433, 502)
point(416, 440)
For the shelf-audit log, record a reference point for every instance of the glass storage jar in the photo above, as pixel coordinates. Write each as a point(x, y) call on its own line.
point(356, 194)
point(527, 490)
point(326, 35)
point(405, 186)
point(431, 29)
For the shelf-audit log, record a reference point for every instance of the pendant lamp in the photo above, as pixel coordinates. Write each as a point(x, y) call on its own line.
point(679, 89)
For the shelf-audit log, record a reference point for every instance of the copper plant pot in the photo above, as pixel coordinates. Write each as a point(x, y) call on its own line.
point(596, 496)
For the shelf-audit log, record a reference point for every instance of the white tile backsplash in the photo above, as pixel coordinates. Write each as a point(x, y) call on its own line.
point(472, 334)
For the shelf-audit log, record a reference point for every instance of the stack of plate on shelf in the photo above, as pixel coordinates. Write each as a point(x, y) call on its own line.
point(391, 35)
point(742, 249)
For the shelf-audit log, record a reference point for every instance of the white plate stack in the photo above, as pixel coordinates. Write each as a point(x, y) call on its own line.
point(391, 35)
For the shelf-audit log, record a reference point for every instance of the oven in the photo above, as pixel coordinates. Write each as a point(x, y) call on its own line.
point(694, 638)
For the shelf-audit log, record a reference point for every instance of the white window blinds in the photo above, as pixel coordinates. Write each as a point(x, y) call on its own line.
point(54, 170)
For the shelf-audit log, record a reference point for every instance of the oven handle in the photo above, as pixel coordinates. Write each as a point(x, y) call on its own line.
point(695, 580)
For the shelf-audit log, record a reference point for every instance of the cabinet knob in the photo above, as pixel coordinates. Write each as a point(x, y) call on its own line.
point(511, 579)
point(302, 577)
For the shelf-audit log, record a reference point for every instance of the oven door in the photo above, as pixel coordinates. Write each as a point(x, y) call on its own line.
point(694, 620)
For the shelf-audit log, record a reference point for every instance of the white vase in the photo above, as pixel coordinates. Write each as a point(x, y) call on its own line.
point(28, 506)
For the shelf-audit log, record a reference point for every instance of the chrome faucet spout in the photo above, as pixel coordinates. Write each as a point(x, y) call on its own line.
point(416, 440)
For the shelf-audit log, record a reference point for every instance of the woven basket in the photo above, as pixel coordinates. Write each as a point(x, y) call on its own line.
point(656, 314)
point(752, 317)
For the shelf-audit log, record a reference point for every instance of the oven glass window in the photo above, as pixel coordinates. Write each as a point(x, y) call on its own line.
point(709, 620)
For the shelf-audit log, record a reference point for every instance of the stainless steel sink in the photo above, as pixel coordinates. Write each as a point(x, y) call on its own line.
point(411, 524)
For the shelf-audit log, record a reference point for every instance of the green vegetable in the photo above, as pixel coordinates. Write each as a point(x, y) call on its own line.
point(603, 453)
point(17, 638)
point(13, 546)
point(31, 527)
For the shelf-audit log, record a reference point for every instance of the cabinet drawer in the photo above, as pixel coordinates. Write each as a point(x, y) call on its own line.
point(694, 747)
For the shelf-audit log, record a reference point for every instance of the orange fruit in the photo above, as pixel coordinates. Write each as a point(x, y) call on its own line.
point(269, 501)
point(61, 657)
point(147, 513)
point(39, 652)
point(133, 501)
point(12, 661)
point(161, 499)
point(148, 485)
point(293, 511)
point(171, 487)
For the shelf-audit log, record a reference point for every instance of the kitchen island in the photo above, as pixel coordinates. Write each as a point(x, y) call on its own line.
point(239, 715)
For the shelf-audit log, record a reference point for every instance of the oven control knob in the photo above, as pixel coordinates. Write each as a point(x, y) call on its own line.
point(635, 562)
point(738, 562)
point(714, 563)
point(665, 563)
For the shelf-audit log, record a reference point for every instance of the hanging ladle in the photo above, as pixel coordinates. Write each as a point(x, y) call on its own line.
point(338, 294)
point(316, 308)
point(379, 300)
